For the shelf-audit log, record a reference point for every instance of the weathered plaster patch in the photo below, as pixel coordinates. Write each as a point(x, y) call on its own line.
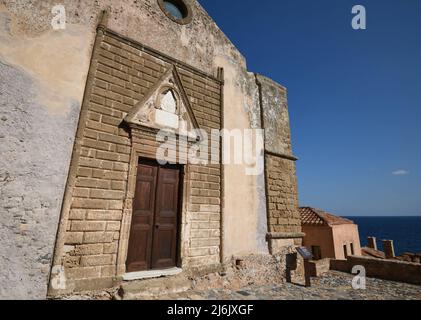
point(196, 43)
point(56, 60)
point(35, 148)
point(245, 221)
point(275, 116)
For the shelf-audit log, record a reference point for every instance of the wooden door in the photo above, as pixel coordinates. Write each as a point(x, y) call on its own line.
point(141, 235)
point(166, 213)
point(153, 236)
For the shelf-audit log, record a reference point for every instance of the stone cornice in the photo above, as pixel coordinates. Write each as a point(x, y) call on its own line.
point(281, 155)
point(285, 235)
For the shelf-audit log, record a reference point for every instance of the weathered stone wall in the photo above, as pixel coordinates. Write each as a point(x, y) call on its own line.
point(318, 268)
point(30, 191)
point(256, 269)
point(282, 195)
point(56, 63)
point(41, 101)
point(199, 42)
point(121, 75)
point(41, 89)
point(281, 181)
point(392, 270)
point(284, 224)
point(275, 116)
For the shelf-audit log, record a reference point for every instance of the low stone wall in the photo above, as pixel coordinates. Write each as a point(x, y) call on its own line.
point(319, 267)
point(392, 270)
point(340, 265)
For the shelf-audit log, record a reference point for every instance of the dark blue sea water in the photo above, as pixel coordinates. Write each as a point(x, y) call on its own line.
point(405, 231)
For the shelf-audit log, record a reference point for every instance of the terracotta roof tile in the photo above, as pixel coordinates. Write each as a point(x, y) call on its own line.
point(316, 217)
point(310, 217)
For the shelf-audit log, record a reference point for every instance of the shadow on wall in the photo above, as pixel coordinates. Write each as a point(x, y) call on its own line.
point(291, 265)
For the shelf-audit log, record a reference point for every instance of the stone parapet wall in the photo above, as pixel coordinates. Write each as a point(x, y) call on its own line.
point(392, 270)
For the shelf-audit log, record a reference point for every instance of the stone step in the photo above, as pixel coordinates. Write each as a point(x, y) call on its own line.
point(144, 289)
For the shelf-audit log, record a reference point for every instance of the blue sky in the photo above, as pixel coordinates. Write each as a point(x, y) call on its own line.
point(354, 96)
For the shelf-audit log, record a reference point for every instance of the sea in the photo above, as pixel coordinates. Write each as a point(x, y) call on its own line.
point(405, 231)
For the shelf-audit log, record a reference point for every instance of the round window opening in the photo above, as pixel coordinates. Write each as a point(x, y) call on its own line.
point(176, 10)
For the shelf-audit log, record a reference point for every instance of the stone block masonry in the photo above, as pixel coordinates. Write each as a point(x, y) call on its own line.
point(284, 224)
point(282, 196)
point(392, 270)
point(98, 78)
point(98, 222)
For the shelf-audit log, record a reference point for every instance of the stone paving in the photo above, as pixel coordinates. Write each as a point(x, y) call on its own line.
point(332, 286)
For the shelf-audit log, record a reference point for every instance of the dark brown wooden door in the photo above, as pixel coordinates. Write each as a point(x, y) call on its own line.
point(140, 242)
point(165, 234)
point(153, 236)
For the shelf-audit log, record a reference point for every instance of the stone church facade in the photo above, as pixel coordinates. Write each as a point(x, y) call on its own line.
point(85, 199)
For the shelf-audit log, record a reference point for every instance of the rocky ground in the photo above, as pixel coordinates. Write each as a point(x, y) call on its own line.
point(332, 286)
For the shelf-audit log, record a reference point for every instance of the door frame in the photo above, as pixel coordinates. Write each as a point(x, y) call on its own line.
point(179, 168)
point(138, 153)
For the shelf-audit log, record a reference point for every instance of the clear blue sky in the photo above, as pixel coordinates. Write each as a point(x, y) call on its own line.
point(354, 96)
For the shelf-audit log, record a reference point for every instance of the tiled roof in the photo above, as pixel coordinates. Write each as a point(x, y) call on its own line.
point(316, 217)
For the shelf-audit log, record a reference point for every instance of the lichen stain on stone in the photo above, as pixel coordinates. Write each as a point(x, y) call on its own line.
point(57, 61)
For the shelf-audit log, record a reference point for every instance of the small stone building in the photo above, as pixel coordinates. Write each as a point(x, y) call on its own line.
point(329, 236)
point(85, 199)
